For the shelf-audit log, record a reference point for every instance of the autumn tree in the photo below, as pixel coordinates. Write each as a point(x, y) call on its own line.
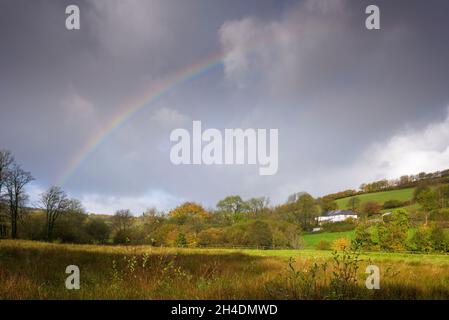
point(428, 199)
point(211, 236)
point(362, 237)
point(181, 240)
point(421, 239)
point(257, 205)
point(327, 204)
point(370, 208)
point(439, 239)
point(151, 220)
point(189, 212)
point(404, 180)
point(233, 204)
point(305, 211)
point(354, 204)
point(443, 196)
point(260, 234)
point(295, 197)
point(422, 186)
point(393, 234)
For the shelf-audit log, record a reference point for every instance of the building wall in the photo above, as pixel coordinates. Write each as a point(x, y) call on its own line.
point(336, 218)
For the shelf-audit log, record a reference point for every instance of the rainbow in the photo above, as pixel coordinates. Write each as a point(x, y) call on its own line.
point(150, 96)
point(128, 111)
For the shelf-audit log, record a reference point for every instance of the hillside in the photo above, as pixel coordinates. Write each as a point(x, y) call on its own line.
point(311, 240)
point(381, 197)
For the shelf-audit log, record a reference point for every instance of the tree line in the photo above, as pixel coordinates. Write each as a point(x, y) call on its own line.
point(232, 222)
point(405, 181)
point(13, 198)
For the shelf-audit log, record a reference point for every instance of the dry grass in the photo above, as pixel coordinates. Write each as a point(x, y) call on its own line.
point(33, 270)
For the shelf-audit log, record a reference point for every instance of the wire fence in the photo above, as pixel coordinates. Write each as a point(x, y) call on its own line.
point(255, 247)
point(249, 247)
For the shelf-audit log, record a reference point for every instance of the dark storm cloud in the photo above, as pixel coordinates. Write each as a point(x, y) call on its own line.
point(334, 90)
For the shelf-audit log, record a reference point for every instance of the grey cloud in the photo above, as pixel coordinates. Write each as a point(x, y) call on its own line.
point(333, 89)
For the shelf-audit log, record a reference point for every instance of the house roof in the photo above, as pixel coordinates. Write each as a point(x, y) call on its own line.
point(339, 212)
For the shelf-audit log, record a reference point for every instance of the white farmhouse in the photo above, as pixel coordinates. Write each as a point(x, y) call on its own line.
point(337, 215)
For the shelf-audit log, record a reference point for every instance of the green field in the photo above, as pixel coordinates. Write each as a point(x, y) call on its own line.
point(35, 270)
point(381, 197)
point(311, 240)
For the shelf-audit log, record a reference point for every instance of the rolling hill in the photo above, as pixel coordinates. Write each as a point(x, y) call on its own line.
point(381, 197)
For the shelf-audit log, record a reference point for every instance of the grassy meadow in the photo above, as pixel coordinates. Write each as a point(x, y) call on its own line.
point(36, 270)
point(187, 254)
point(400, 194)
point(311, 240)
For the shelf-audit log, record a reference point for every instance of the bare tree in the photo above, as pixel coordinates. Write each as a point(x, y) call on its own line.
point(75, 206)
point(122, 220)
point(150, 212)
point(16, 179)
point(55, 203)
point(6, 160)
point(257, 205)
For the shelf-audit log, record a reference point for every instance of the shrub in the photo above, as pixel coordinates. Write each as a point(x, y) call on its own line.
point(98, 230)
point(32, 226)
point(70, 228)
point(339, 226)
point(251, 233)
point(439, 239)
point(393, 234)
point(334, 279)
point(211, 236)
point(122, 237)
point(260, 234)
point(420, 241)
point(422, 186)
point(285, 234)
point(181, 240)
point(323, 245)
point(391, 204)
point(370, 208)
point(363, 238)
point(441, 215)
point(341, 244)
point(165, 234)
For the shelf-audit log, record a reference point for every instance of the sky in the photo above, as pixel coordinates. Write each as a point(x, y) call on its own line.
point(351, 105)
